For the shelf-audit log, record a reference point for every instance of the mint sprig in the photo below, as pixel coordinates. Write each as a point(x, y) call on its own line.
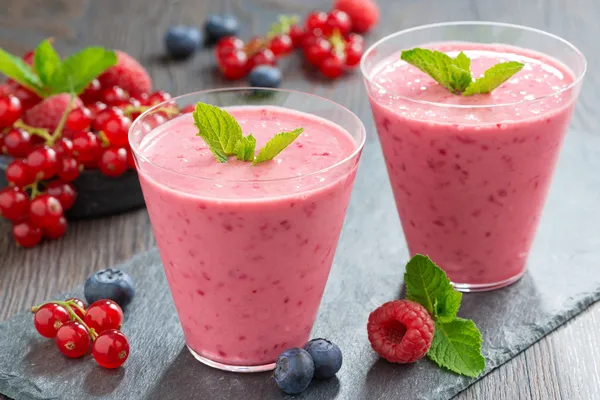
point(457, 342)
point(454, 73)
point(50, 75)
point(224, 137)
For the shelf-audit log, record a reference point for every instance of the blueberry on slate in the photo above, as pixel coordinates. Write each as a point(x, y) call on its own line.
point(220, 26)
point(326, 356)
point(110, 284)
point(265, 76)
point(294, 371)
point(182, 41)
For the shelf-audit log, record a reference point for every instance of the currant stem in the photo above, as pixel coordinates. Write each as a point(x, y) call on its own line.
point(63, 120)
point(68, 306)
point(103, 139)
point(41, 132)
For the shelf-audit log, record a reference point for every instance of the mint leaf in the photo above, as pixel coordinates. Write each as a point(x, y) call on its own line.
point(79, 69)
point(17, 69)
point(457, 346)
point(446, 309)
point(463, 62)
point(46, 60)
point(244, 149)
point(276, 145)
point(493, 77)
point(211, 121)
point(445, 70)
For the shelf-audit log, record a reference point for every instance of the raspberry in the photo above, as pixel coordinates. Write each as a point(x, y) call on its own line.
point(363, 13)
point(400, 331)
point(128, 74)
point(47, 114)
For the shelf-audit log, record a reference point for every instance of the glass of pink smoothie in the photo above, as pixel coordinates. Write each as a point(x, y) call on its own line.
point(470, 174)
point(247, 249)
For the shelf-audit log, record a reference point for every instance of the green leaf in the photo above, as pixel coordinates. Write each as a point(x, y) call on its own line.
point(46, 60)
point(493, 77)
point(215, 126)
point(244, 149)
point(17, 69)
point(79, 69)
point(462, 61)
point(447, 308)
point(457, 346)
point(276, 145)
point(445, 70)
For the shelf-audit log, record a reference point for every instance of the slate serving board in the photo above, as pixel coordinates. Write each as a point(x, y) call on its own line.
point(563, 279)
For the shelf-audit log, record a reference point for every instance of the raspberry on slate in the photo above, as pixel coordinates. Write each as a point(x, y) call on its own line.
point(400, 331)
point(128, 74)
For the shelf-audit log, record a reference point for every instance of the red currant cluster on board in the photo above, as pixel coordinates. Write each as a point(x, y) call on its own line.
point(52, 139)
point(76, 328)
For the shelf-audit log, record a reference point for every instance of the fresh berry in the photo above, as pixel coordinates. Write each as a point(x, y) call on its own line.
point(49, 318)
point(332, 66)
point(182, 41)
point(316, 20)
point(95, 108)
point(281, 45)
point(63, 147)
point(364, 14)
point(158, 97)
point(113, 162)
point(79, 119)
point(228, 45)
point(45, 211)
point(111, 284)
point(19, 174)
point(316, 50)
point(48, 113)
point(104, 115)
point(327, 357)
point(81, 304)
point(57, 230)
point(27, 98)
point(400, 331)
point(43, 162)
point(294, 371)
point(116, 128)
point(92, 92)
point(188, 109)
point(220, 26)
point(234, 65)
point(26, 234)
point(86, 147)
point(354, 52)
point(128, 74)
point(265, 76)
point(114, 96)
point(73, 340)
point(296, 33)
point(261, 57)
point(337, 20)
point(10, 110)
point(14, 204)
point(18, 143)
point(64, 192)
point(111, 349)
point(103, 315)
point(69, 169)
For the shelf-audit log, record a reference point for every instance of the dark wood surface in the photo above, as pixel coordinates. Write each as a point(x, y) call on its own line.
point(564, 365)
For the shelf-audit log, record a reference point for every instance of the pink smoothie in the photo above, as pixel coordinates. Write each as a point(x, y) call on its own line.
point(470, 183)
point(247, 249)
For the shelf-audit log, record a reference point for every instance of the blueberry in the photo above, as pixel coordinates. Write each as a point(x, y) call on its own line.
point(265, 76)
point(109, 284)
point(182, 41)
point(294, 371)
point(220, 26)
point(326, 356)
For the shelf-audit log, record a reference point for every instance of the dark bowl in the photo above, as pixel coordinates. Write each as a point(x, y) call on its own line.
point(97, 194)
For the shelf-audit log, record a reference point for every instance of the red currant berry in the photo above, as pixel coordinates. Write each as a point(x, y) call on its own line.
point(296, 33)
point(79, 119)
point(19, 174)
point(316, 20)
point(57, 230)
point(73, 340)
point(130, 159)
point(103, 315)
point(86, 147)
point(80, 303)
point(155, 120)
point(332, 66)
point(188, 109)
point(158, 97)
point(281, 45)
point(261, 57)
point(26, 234)
point(354, 52)
point(104, 115)
point(63, 147)
point(10, 110)
point(64, 192)
point(45, 211)
point(49, 318)
point(14, 204)
point(92, 92)
point(2, 148)
point(27, 98)
point(43, 162)
point(227, 45)
point(234, 65)
point(116, 128)
point(143, 99)
point(316, 52)
point(114, 96)
point(95, 108)
point(18, 143)
point(69, 169)
point(111, 349)
point(113, 162)
point(355, 38)
point(337, 20)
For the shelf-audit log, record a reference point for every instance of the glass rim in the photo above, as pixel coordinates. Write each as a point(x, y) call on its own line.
point(359, 144)
point(374, 46)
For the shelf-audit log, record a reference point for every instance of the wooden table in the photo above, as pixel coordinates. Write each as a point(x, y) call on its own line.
point(561, 366)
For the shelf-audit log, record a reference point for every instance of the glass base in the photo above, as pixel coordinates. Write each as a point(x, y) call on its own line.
point(231, 368)
point(486, 287)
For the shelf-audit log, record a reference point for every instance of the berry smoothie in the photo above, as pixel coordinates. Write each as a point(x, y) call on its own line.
point(247, 249)
point(470, 174)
